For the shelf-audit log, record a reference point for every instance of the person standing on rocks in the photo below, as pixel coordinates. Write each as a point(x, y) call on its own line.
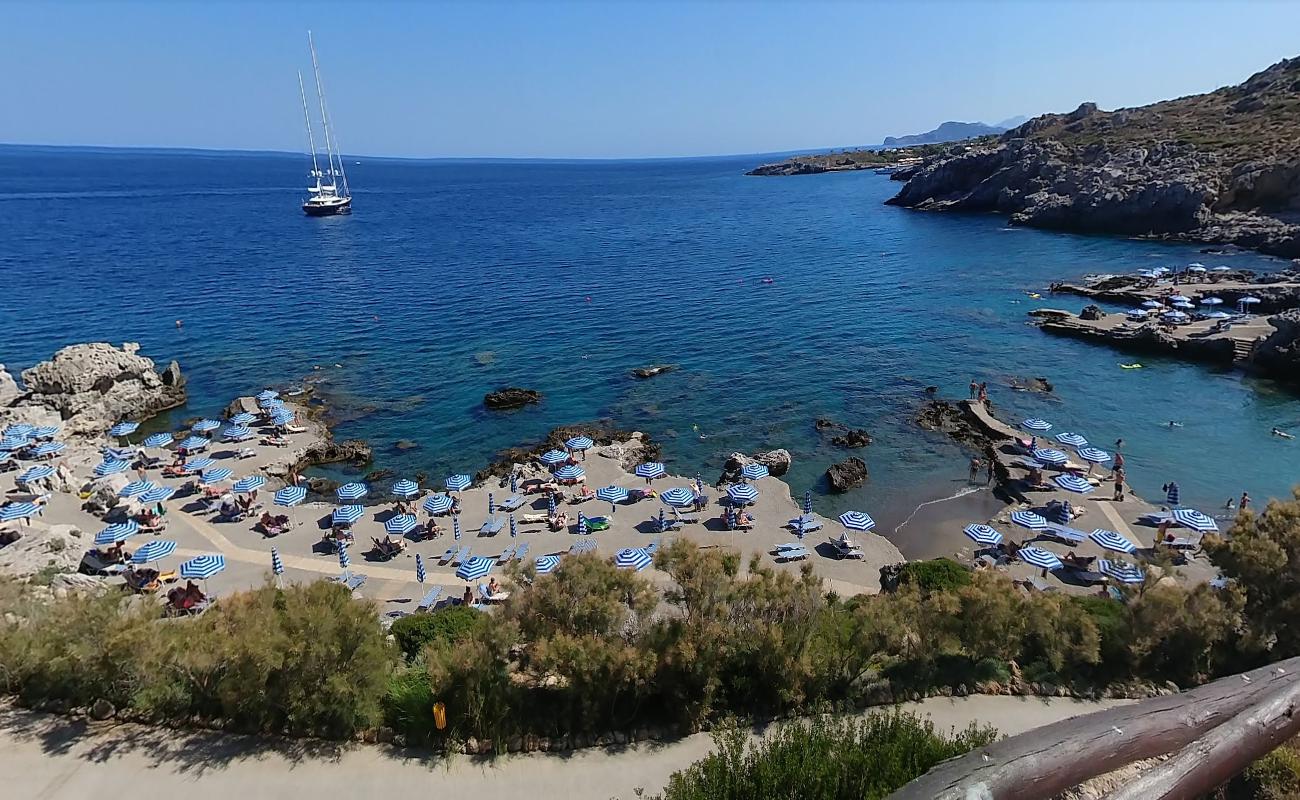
point(1117, 466)
point(974, 390)
point(974, 469)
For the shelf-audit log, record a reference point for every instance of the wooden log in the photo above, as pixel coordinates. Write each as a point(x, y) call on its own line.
point(1048, 760)
point(1228, 749)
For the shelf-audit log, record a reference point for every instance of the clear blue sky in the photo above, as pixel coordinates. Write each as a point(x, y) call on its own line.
point(612, 79)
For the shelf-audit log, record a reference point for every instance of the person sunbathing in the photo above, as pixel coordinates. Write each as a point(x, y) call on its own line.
point(432, 529)
point(744, 519)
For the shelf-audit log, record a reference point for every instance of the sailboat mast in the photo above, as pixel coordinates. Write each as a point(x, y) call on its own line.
point(324, 114)
point(311, 138)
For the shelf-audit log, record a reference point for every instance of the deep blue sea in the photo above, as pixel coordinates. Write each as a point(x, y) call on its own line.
point(454, 278)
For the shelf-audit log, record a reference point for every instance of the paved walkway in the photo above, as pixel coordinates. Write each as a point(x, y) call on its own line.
point(50, 758)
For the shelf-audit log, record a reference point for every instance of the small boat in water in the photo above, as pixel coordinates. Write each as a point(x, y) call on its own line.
point(330, 196)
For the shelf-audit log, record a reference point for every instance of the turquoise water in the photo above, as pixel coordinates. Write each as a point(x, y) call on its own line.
point(455, 278)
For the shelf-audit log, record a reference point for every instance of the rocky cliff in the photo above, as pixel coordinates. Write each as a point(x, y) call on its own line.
point(1279, 353)
point(1218, 167)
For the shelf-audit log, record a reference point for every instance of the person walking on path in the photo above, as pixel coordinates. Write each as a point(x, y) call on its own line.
point(1119, 486)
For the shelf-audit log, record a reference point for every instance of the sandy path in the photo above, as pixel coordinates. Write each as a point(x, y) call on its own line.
point(52, 759)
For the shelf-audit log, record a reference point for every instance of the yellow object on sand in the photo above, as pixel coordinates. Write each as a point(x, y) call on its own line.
point(1130, 366)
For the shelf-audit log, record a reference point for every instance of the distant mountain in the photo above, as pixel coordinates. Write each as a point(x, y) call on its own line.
point(1011, 122)
point(947, 132)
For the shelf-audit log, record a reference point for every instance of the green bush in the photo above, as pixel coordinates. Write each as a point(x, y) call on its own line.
point(935, 575)
point(449, 625)
point(1276, 776)
point(823, 759)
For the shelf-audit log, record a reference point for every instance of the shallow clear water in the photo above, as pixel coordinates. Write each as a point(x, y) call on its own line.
point(454, 278)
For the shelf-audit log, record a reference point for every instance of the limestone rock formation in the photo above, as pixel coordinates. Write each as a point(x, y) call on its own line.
point(777, 463)
point(57, 548)
point(1279, 353)
point(846, 475)
point(8, 387)
point(650, 372)
point(511, 397)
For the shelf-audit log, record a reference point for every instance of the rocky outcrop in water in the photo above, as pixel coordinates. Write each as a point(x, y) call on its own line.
point(629, 448)
point(1279, 353)
point(650, 372)
point(351, 451)
point(848, 474)
point(777, 462)
point(511, 398)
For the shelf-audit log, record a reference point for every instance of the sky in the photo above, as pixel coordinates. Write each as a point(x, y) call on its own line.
point(613, 79)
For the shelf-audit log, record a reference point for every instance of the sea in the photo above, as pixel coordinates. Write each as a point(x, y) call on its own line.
point(781, 300)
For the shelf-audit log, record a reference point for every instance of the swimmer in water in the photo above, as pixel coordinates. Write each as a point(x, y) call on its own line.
point(179, 324)
point(1173, 424)
point(1282, 433)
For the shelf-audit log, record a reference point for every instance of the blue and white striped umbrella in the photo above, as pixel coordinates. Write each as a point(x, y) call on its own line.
point(243, 419)
point(492, 504)
point(205, 425)
point(47, 449)
point(194, 443)
point(1036, 424)
point(1093, 454)
point(1152, 304)
point(552, 457)
point(117, 533)
point(153, 551)
point(1112, 540)
point(134, 488)
point(1038, 557)
point(742, 493)
point(199, 464)
point(438, 504)
point(514, 484)
point(983, 534)
point(14, 442)
point(1074, 483)
point(277, 563)
point(1121, 571)
point(158, 440)
point(346, 515)
point(857, 521)
point(1211, 301)
point(35, 473)
point(273, 404)
point(455, 527)
point(634, 558)
point(405, 488)
point(420, 574)
point(678, 496)
point(1030, 520)
point(731, 518)
point(123, 429)
point(236, 432)
point(458, 483)
point(583, 546)
point(1072, 439)
point(1048, 455)
point(582, 524)
point(650, 469)
point(754, 471)
point(514, 527)
point(611, 494)
point(401, 524)
point(216, 475)
point(267, 394)
point(550, 505)
point(546, 564)
point(344, 561)
point(117, 453)
point(44, 432)
point(807, 501)
point(290, 496)
point(1191, 518)
point(282, 417)
point(19, 429)
point(570, 472)
point(579, 443)
point(663, 521)
point(1172, 496)
point(475, 567)
point(111, 467)
point(351, 491)
point(249, 483)
point(203, 567)
point(157, 494)
point(18, 511)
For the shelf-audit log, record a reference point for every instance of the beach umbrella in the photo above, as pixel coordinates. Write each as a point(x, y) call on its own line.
point(405, 488)
point(400, 524)
point(1191, 518)
point(731, 518)
point(492, 506)
point(236, 432)
point(1246, 302)
point(475, 567)
point(44, 432)
point(290, 496)
point(267, 394)
point(112, 467)
point(1218, 315)
point(663, 521)
point(122, 429)
point(1184, 305)
point(420, 574)
point(458, 483)
point(634, 558)
point(19, 429)
point(249, 483)
point(983, 534)
point(583, 546)
point(1071, 439)
point(1059, 513)
point(742, 493)
point(550, 505)
point(650, 470)
point(514, 483)
point(552, 457)
point(153, 551)
point(157, 494)
point(216, 475)
point(1030, 520)
point(205, 425)
point(134, 488)
point(1221, 269)
point(582, 524)
point(1153, 304)
point(514, 527)
point(282, 417)
point(345, 563)
point(1171, 494)
point(1038, 557)
point(351, 491)
point(1121, 571)
point(455, 527)
point(438, 504)
point(199, 464)
point(1074, 483)
point(346, 515)
point(807, 501)
point(119, 532)
point(277, 565)
point(579, 443)
point(35, 473)
point(1196, 266)
point(1174, 316)
point(611, 494)
point(203, 567)
point(1112, 540)
point(754, 471)
point(857, 521)
point(1049, 455)
point(570, 472)
point(15, 511)
point(194, 443)
point(546, 564)
point(678, 496)
point(157, 440)
point(15, 442)
point(47, 449)
point(1211, 301)
point(243, 419)
point(1136, 314)
point(1094, 455)
point(117, 453)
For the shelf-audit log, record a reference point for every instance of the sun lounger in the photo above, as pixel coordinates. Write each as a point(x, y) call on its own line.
point(295, 429)
point(512, 503)
point(461, 556)
point(506, 555)
point(447, 557)
point(492, 526)
point(1181, 542)
point(430, 599)
point(686, 518)
point(492, 597)
point(652, 547)
point(810, 523)
point(532, 519)
point(92, 563)
point(1063, 533)
point(850, 550)
point(1037, 584)
point(353, 581)
point(238, 437)
point(792, 554)
point(521, 551)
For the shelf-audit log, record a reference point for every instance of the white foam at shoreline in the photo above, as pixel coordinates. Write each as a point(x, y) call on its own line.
point(960, 493)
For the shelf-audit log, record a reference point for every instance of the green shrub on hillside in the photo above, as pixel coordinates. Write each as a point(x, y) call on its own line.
point(935, 575)
point(449, 624)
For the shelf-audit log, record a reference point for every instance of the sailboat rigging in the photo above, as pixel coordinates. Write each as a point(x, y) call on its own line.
point(330, 194)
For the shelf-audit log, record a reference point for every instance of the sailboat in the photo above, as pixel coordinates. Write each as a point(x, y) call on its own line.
point(330, 195)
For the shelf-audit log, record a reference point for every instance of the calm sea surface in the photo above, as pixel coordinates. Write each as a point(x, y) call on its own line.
point(455, 278)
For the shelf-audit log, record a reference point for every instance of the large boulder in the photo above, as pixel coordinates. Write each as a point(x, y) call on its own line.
point(848, 474)
point(650, 372)
point(242, 405)
point(56, 548)
point(103, 493)
point(1279, 353)
point(511, 397)
point(777, 463)
point(8, 387)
